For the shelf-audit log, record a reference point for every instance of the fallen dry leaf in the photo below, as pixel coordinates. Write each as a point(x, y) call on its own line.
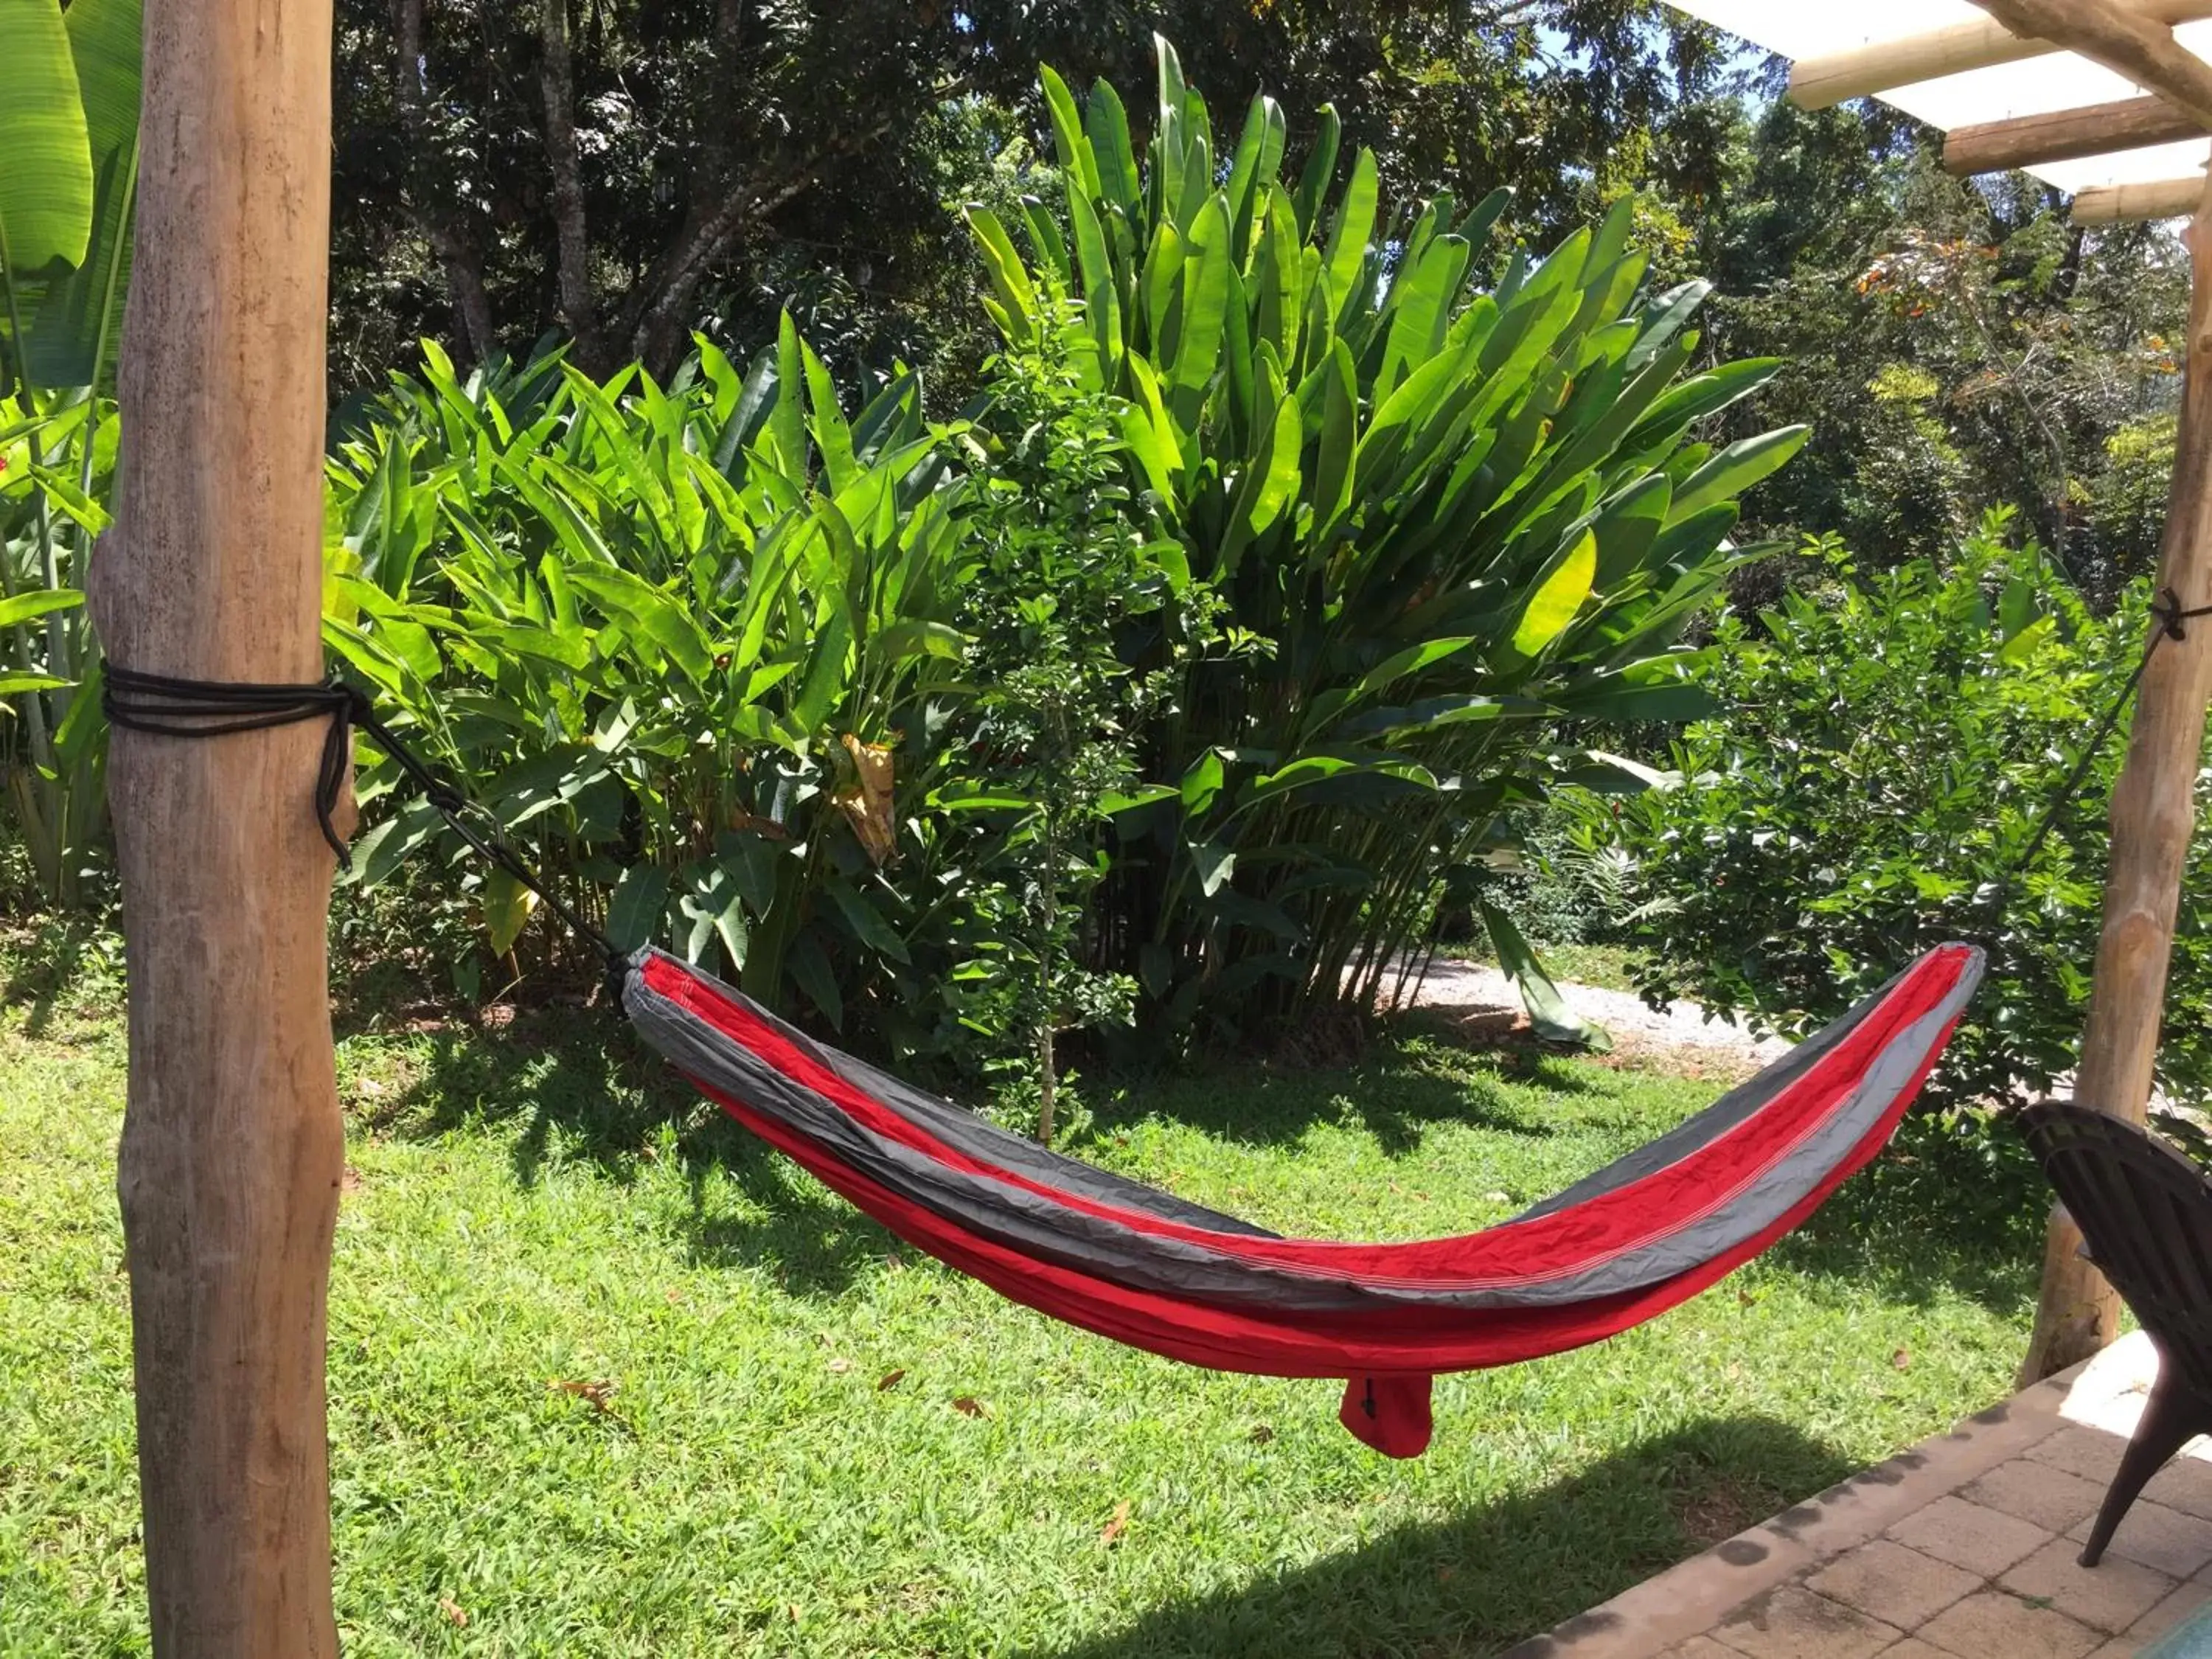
point(968, 1406)
point(840, 1365)
point(456, 1614)
point(597, 1393)
point(890, 1380)
point(1117, 1526)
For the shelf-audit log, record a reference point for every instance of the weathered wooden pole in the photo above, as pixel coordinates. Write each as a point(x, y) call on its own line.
point(231, 1147)
point(2152, 817)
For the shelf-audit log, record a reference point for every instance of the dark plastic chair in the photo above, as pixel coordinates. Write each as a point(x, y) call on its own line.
point(2146, 1212)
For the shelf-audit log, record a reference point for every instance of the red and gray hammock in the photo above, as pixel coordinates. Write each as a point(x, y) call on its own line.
point(1142, 1266)
point(1139, 1264)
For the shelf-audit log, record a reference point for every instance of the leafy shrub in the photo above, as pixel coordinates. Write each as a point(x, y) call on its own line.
point(1439, 518)
point(670, 635)
point(57, 460)
point(1891, 743)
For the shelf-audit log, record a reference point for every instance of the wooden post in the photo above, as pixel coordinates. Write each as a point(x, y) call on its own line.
point(231, 1147)
point(2154, 815)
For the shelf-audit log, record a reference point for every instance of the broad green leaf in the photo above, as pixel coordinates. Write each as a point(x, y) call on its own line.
point(1548, 1012)
point(1201, 783)
point(1321, 169)
point(46, 178)
point(867, 922)
point(1348, 241)
point(1215, 864)
point(1738, 467)
point(1106, 124)
point(1010, 278)
point(634, 913)
point(78, 321)
point(1076, 158)
point(40, 602)
point(1560, 593)
point(507, 906)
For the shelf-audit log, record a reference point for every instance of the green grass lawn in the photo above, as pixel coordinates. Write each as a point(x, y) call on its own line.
point(778, 1462)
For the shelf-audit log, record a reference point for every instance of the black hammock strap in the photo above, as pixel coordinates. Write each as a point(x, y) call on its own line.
point(166, 705)
point(2166, 611)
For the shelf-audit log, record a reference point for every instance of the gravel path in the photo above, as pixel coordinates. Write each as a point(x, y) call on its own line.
point(1681, 1027)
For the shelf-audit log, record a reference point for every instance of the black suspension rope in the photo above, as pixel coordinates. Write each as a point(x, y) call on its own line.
point(165, 706)
point(2167, 611)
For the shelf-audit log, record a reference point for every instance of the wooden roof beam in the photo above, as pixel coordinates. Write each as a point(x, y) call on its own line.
point(2124, 40)
point(2159, 198)
point(2064, 134)
point(1817, 83)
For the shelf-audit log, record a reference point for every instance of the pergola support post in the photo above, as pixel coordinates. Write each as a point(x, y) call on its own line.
point(2152, 817)
point(232, 1149)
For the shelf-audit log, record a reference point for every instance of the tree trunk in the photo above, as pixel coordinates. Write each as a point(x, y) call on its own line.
point(2153, 816)
point(557, 83)
point(231, 1147)
point(442, 227)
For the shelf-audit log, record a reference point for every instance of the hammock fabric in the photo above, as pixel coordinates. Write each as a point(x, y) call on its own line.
point(1143, 1267)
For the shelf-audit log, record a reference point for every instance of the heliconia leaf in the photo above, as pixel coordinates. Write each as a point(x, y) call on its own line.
point(1665, 318)
point(1101, 300)
point(1215, 864)
point(1340, 414)
point(1321, 168)
point(1010, 278)
point(1201, 783)
point(1626, 526)
point(1117, 801)
point(833, 438)
point(1205, 300)
point(1348, 241)
point(1106, 124)
point(634, 913)
point(506, 905)
point(1548, 1012)
point(1700, 396)
point(40, 602)
point(46, 184)
point(1476, 227)
point(78, 322)
point(1559, 594)
point(785, 427)
point(1738, 467)
point(1077, 159)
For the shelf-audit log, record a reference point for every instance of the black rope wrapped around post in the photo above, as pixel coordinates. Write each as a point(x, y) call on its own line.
point(165, 706)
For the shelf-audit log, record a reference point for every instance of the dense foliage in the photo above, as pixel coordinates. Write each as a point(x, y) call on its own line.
point(669, 637)
point(1437, 513)
point(1897, 739)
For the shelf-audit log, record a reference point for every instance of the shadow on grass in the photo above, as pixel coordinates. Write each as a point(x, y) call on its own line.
point(1485, 1580)
point(1396, 1091)
point(573, 1085)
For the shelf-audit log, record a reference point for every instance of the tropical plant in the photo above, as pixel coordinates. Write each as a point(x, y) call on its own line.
point(1046, 748)
point(1897, 739)
point(673, 636)
point(68, 130)
point(1443, 518)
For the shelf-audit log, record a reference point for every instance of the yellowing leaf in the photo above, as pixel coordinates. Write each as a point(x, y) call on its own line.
point(1560, 595)
point(506, 906)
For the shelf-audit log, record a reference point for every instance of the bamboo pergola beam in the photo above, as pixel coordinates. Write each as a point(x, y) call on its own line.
point(1818, 82)
point(2124, 40)
point(2158, 199)
point(2065, 135)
